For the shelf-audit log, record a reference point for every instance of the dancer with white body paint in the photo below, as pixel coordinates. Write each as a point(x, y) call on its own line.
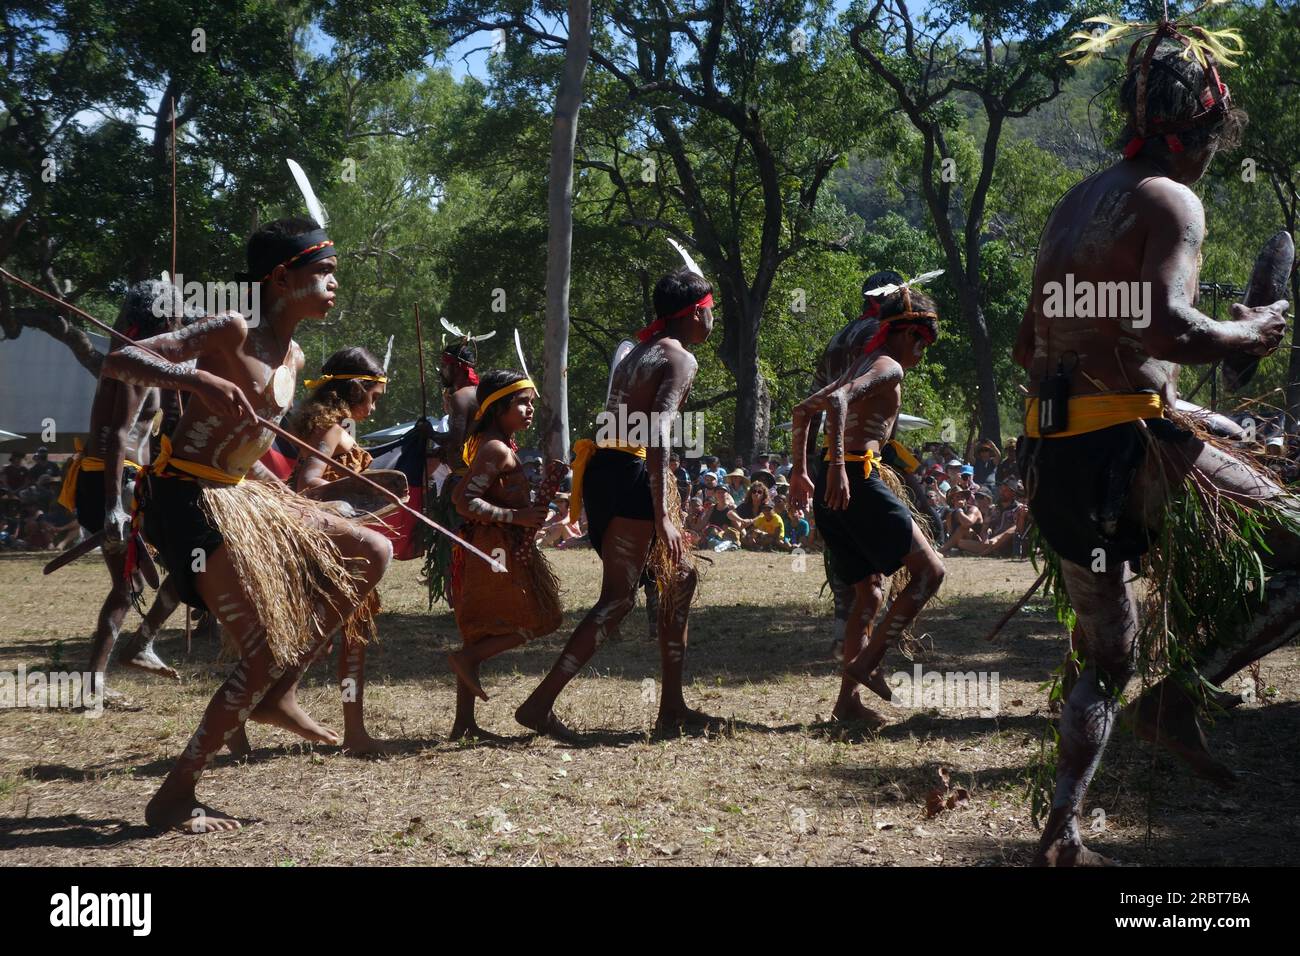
point(345, 395)
point(1110, 465)
point(502, 511)
point(279, 573)
point(633, 511)
point(868, 531)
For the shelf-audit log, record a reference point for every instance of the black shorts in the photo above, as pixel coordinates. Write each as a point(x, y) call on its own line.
point(176, 524)
point(873, 535)
point(90, 497)
point(1081, 489)
point(615, 485)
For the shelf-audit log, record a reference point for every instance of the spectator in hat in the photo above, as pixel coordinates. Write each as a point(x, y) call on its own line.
point(966, 478)
point(736, 483)
point(42, 466)
point(1007, 466)
point(767, 531)
point(952, 471)
point(706, 484)
point(986, 462)
point(532, 465)
point(15, 473)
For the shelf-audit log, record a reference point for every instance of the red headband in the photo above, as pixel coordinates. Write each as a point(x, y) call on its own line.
point(913, 319)
point(659, 324)
point(464, 366)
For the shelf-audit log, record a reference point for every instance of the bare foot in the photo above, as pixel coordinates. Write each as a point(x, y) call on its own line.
point(361, 744)
point(548, 725)
point(238, 744)
point(136, 653)
point(684, 719)
point(466, 671)
point(472, 731)
point(287, 715)
point(853, 711)
point(1178, 731)
point(187, 815)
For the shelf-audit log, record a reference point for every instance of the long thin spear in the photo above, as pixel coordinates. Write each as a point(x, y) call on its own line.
point(174, 190)
point(271, 426)
point(172, 276)
point(419, 341)
point(1016, 607)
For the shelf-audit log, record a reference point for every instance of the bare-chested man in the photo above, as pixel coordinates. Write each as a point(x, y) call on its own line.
point(460, 381)
point(632, 507)
point(280, 575)
point(122, 421)
point(842, 352)
point(459, 387)
point(1101, 466)
point(868, 531)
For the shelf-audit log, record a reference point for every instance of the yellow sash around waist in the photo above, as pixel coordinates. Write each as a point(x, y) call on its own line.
point(868, 460)
point(1091, 413)
point(906, 457)
point(582, 451)
point(191, 468)
point(82, 462)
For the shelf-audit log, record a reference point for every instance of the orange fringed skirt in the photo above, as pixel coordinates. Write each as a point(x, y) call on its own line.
point(525, 599)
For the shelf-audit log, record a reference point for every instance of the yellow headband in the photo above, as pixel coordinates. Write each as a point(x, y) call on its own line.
point(314, 383)
point(504, 390)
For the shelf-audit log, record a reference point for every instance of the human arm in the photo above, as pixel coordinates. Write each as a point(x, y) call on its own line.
point(1175, 330)
point(162, 361)
point(470, 496)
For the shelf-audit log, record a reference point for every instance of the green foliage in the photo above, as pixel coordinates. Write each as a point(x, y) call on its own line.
point(445, 202)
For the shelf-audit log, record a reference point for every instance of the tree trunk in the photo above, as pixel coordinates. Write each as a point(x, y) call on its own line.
point(739, 354)
point(1293, 370)
point(981, 344)
point(554, 431)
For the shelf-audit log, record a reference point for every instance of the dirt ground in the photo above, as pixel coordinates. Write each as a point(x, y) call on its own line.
point(780, 787)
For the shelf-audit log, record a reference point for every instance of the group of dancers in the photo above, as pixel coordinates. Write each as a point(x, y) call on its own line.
point(284, 574)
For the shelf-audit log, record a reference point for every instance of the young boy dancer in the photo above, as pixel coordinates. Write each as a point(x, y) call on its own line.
point(122, 420)
point(279, 574)
point(633, 512)
point(867, 529)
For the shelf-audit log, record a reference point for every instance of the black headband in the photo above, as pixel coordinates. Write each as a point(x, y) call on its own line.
point(292, 252)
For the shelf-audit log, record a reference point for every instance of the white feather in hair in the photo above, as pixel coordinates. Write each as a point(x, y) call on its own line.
point(686, 257)
point(314, 207)
point(909, 284)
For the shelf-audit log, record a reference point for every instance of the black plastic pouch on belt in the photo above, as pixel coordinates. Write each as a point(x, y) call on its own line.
point(1054, 402)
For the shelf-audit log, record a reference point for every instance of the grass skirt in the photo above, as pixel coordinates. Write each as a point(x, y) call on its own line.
point(285, 564)
point(661, 566)
point(524, 600)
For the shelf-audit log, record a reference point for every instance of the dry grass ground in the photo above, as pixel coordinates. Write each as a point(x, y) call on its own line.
point(777, 789)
